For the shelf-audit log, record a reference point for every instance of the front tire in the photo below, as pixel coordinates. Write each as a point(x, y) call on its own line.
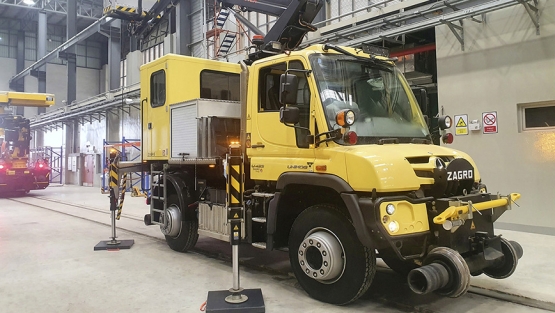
point(327, 258)
point(187, 235)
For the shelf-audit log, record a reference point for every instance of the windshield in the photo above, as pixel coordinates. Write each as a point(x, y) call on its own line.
point(374, 92)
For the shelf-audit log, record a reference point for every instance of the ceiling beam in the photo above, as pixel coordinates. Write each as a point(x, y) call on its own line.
point(54, 7)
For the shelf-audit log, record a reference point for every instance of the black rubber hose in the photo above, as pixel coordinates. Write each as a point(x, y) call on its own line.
point(428, 278)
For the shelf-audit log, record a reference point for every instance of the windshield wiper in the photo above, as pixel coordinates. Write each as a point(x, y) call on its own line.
point(378, 63)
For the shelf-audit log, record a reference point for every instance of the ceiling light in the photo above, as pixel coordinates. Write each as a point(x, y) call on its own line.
point(29, 2)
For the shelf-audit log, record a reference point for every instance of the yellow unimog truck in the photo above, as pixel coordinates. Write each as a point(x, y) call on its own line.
point(339, 170)
point(17, 173)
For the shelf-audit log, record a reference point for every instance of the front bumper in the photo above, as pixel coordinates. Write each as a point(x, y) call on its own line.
point(22, 180)
point(466, 231)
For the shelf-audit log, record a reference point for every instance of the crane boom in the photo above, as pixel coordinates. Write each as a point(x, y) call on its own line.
point(294, 18)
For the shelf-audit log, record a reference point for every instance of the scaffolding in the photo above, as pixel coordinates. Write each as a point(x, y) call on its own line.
point(223, 39)
point(129, 150)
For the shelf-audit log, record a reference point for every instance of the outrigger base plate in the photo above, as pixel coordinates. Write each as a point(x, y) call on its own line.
point(216, 302)
point(110, 245)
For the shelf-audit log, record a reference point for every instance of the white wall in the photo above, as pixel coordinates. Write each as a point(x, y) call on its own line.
point(505, 63)
point(88, 82)
point(8, 71)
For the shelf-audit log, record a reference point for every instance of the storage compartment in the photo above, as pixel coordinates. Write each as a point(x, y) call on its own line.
point(203, 128)
point(212, 221)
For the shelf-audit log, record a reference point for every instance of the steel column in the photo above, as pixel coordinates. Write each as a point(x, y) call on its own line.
point(20, 65)
point(114, 55)
point(184, 27)
point(41, 52)
point(70, 52)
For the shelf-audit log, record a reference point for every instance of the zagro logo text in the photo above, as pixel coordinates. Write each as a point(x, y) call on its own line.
point(459, 175)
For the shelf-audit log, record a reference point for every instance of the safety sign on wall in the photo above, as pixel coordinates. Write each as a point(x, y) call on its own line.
point(489, 120)
point(461, 124)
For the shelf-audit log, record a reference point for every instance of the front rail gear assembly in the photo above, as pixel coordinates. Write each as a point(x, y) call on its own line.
point(462, 212)
point(470, 251)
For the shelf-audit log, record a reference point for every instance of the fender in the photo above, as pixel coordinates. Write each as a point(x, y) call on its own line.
point(181, 189)
point(324, 180)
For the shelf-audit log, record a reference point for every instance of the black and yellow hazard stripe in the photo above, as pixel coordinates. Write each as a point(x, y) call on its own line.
point(234, 181)
point(113, 175)
point(121, 9)
point(234, 185)
point(122, 195)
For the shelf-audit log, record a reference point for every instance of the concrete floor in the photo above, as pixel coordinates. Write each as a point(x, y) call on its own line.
point(47, 264)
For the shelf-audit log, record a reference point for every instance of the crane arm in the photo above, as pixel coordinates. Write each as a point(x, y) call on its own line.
point(26, 99)
point(294, 18)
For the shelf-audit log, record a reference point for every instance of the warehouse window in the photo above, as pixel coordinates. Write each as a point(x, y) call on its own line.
point(158, 89)
point(539, 115)
point(219, 85)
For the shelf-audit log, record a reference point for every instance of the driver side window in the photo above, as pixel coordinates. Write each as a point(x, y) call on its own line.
point(268, 89)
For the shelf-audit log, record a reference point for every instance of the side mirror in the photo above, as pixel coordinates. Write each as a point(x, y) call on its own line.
point(421, 96)
point(289, 115)
point(289, 85)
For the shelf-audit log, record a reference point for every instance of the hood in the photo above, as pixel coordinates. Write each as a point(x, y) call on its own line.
point(397, 167)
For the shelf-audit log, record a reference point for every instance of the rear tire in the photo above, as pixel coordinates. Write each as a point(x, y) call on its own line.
point(327, 258)
point(188, 235)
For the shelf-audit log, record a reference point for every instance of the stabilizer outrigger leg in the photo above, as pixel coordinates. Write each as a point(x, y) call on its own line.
point(115, 205)
point(236, 299)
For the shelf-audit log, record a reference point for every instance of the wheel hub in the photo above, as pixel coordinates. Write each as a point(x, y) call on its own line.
point(321, 256)
point(171, 221)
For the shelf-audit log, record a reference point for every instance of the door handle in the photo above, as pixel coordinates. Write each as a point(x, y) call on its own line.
point(257, 146)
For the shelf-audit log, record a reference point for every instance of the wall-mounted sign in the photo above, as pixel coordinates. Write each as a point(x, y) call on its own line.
point(461, 124)
point(489, 120)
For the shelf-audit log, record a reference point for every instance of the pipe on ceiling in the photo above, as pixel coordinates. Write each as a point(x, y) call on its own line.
point(417, 49)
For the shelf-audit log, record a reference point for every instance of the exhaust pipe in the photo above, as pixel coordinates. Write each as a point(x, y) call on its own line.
point(428, 278)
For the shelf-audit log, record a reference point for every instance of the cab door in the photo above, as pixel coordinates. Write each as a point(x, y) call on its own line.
point(155, 111)
point(274, 147)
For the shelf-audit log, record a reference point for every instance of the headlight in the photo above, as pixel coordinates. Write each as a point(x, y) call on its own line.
point(393, 226)
point(345, 118)
point(445, 122)
point(390, 209)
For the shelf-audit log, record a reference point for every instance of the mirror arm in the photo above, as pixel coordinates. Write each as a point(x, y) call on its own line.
point(334, 134)
point(299, 127)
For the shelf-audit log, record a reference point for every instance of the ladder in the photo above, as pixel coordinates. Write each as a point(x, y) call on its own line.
point(227, 43)
point(261, 220)
point(222, 17)
point(158, 197)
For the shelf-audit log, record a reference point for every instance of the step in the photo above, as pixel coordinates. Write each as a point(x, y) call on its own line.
point(262, 194)
point(156, 210)
point(259, 219)
point(259, 245)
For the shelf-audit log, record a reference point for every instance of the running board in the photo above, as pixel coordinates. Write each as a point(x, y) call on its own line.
point(259, 245)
